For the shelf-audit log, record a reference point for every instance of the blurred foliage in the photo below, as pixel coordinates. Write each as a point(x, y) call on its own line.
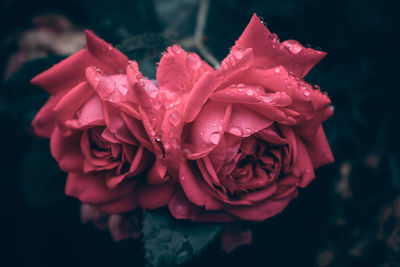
point(348, 216)
point(169, 242)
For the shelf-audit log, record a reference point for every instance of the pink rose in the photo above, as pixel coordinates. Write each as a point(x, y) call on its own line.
point(96, 133)
point(244, 137)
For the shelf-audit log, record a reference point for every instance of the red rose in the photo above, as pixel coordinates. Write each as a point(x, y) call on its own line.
point(96, 131)
point(248, 134)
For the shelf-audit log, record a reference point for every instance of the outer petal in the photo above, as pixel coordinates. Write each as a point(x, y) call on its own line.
point(181, 208)
point(244, 122)
point(262, 211)
point(269, 52)
point(179, 70)
point(91, 188)
point(193, 188)
point(45, 120)
point(71, 71)
point(156, 196)
point(127, 203)
point(72, 101)
point(67, 151)
point(318, 149)
point(209, 127)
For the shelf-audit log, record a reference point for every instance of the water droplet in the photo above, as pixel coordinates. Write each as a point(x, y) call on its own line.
point(109, 47)
point(248, 131)
point(214, 138)
point(277, 70)
point(267, 99)
point(193, 61)
point(293, 46)
point(123, 89)
point(153, 93)
point(249, 92)
point(176, 48)
point(183, 178)
point(237, 54)
point(306, 92)
point(316, 87)
point(332, 107)
point(174, 119)
point(157, 104)
point(236, 131)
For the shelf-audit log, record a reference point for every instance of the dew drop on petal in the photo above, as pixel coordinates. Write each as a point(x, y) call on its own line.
point(248, 131)
point(237, 54)
point(193, 61)
point(214, 138)
point(236, 131)
point(123, 89)
point(174, 119)
point(306, 92)
point(249, 92)
point(157, 104)
point(176, 48)
point(293, 46)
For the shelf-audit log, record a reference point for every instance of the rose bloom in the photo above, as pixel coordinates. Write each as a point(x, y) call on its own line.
point(244, 137)
point(96, 134)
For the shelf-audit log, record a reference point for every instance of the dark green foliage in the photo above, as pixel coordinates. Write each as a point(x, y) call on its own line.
point(169, 241)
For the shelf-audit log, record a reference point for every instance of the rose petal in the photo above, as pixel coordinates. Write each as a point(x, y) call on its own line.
point(193, 189)
point(155, 196)
point(318, 149)
point(71, 71)
point(261, 211)
point(209, 127)
point(66, 150)
point(269, 52)
point(127, 203)
point(244, 122)
point(91, 188)
point(178, 70)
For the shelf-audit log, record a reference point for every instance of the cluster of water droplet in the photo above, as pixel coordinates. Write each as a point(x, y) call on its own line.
point(236, 55)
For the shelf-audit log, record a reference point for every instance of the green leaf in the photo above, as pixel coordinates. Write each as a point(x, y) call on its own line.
point(40, 177)
point(169, 241)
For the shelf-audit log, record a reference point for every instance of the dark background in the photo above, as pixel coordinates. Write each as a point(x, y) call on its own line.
point(348, 216)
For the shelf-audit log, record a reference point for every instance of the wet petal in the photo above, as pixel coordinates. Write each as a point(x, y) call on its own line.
point(244, 122)
point(269, 52)
point(71, 71)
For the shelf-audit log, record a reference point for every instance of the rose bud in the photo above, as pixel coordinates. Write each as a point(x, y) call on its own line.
point(249, 133)
point(96, 132)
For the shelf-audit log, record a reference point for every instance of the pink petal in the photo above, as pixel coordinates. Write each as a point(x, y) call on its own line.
point(45, 120)
point(269, 52)
point(181, 208)
point(178, 70)
point(69, 104)
point(261, 211)
point(71, 71)
point(244, 122)
point(194, 188)
point(126, 203)
point(66, 150)
point(303, 167)
point(209, 127)
point(157, 173)
point(92, 189)
point(154, 196)
point(318, 149)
